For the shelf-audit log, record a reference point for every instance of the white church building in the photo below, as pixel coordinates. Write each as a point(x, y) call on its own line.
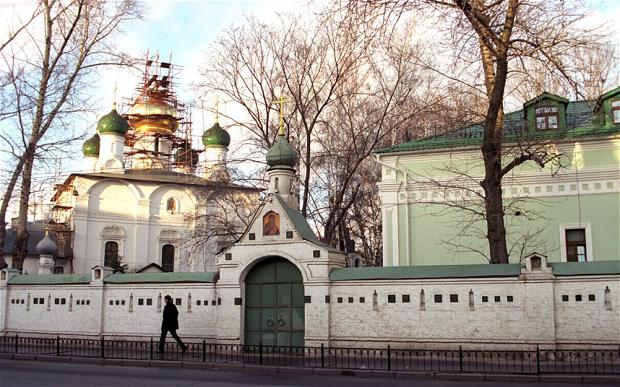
point(144, 196)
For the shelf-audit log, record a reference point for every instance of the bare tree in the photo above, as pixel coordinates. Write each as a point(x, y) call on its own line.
point(219, 225)
point(501, 36)
point(350, 90)
point(307, 65)
point(362, 224)
point(49, 72)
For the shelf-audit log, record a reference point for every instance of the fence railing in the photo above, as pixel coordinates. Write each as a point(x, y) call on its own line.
point(539, 361)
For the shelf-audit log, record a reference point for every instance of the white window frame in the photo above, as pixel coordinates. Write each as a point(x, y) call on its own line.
point(108, 236)
point(570, 226)
point(169, 237)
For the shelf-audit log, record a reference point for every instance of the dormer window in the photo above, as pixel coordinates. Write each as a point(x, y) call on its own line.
point(547, 118)
point(615, 112)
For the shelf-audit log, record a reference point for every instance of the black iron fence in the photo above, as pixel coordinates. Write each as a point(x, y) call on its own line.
point(538, 361)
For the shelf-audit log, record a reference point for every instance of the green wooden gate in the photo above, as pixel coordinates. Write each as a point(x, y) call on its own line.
point(274, 304)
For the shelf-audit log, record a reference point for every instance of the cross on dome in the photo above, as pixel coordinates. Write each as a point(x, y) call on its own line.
point(281, 101)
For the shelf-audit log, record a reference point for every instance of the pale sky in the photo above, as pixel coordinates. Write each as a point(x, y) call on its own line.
point(186, 29)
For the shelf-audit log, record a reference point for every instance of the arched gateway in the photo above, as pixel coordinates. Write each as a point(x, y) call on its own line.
point(274, 307)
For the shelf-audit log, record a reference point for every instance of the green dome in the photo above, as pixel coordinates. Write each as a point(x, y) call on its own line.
point(113, 123)
point(215, 136)
point(91, 146)
point(282, 153)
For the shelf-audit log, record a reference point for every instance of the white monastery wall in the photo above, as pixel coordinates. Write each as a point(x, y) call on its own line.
point(397, 314)
point(582, 312)
point(60, 309)
point(136, 310)
point(527, 312)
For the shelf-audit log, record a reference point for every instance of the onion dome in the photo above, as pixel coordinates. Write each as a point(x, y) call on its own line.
point(91, 146)
point(113, 123)
point(153, 107)
point(282, 154)
point(216, 136)
point(152, 114)
point(47, 246)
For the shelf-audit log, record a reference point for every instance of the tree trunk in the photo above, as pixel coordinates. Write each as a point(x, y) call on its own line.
point(495, 77)
point(4, 207)
point(304, 202)
point(493, 203)
point(21, 239)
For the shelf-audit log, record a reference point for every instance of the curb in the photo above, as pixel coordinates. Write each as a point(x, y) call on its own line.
point(602, 379)
point(292, 370)
point(414, 375)
point(137, 363)
point(24, 356)
point(228, 367)
point(198, 366)
point(511, 378)
point(460, 377)
point(50, 358)
point(88, 360)
point(114, 362)
point(561, 378)
point(165, 363)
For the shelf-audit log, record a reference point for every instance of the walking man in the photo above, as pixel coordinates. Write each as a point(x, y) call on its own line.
point(170, 323)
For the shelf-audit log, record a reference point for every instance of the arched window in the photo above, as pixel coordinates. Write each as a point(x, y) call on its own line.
point(167, 258)
point(110, 256)
point(357, 262)
point(171, 206)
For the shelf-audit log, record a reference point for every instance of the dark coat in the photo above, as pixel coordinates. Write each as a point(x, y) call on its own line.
point(170, 321)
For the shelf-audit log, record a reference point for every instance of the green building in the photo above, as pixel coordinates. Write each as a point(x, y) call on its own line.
point(568, 210)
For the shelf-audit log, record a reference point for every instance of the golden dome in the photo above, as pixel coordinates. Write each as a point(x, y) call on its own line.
point(152, 115)
point(147, 108)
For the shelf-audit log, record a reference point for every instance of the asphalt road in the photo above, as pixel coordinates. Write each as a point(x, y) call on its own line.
point(35, 373)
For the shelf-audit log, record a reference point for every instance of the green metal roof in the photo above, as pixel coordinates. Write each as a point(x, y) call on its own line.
point(301, 225)
point(469, 271)
point(50, 279)
point(543, 96)
point(425, 272)
point(136, 278)
point(579, 124)
point(585, 268)
point(610, 93)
